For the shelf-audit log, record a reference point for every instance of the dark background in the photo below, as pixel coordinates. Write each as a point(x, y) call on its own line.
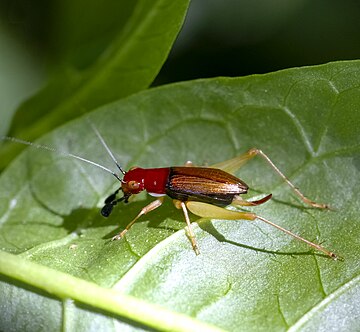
point(219, 38)
point(236, 38)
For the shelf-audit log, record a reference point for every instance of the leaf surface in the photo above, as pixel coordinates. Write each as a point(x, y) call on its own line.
point(249, 276)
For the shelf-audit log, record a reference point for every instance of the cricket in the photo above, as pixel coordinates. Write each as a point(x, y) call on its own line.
point(203, 191)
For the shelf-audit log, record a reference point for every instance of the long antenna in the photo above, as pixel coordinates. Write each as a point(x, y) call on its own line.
point(66, 154)
point(106, 147)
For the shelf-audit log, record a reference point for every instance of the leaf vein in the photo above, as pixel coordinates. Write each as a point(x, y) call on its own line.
point(325, 302)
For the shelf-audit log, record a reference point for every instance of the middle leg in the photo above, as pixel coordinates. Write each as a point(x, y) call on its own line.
point(182, 205)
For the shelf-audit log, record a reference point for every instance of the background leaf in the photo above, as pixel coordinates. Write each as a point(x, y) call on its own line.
point(20, 76)
point(129, 63)
point(248, 276)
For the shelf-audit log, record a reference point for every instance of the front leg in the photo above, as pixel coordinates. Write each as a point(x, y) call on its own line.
point(152, 206)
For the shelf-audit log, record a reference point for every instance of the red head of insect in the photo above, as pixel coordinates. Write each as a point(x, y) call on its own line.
point(131, 184)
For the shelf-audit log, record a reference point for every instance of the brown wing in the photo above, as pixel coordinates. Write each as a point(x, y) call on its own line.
point(210, 185)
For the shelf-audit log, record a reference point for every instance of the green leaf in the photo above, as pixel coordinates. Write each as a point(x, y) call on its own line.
point(65, 286)
point(249, 276)
point(20, 76)
point(129, 64)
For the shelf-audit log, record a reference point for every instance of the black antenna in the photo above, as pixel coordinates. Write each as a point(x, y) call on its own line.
point(66, 154)
point(106, 147)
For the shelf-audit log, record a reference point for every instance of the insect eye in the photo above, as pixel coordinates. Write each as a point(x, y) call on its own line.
point(133, 185)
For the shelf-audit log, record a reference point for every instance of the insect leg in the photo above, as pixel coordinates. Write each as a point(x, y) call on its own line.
point(181, 205)
point(205, 210)
point(234, 164)
point(210, 211)
point(238, 200)
point(191, 233)
point(254, 152)
point(311, 244)
point(152, 206)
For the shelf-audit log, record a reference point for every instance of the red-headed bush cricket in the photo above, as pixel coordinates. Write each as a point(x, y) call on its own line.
point(204, 191)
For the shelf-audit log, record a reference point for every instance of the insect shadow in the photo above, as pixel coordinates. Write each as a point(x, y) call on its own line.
point(168, 218)
point(158, 218)
point(208, 227)
point(83, 218)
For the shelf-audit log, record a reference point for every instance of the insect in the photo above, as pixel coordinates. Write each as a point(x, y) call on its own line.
point(204, 191)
